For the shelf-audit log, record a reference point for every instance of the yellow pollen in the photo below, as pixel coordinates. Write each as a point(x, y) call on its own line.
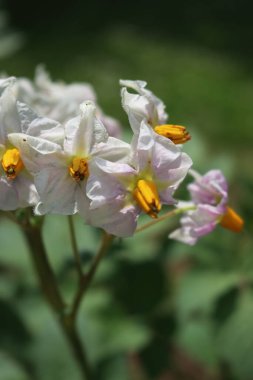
point(79, 169)
point(146, 195)
point(177, 133)
point(12, 163)
point(232, 220)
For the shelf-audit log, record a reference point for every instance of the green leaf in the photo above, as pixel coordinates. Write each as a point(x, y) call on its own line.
point(198, 291)
point(10, 369)
point(198, 339)
point(235, 341)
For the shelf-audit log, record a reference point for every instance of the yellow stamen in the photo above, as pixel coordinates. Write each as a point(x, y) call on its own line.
point(146, 195)
point(232, 220)
point(177, 133)
point(12, 163)
point(79, 169)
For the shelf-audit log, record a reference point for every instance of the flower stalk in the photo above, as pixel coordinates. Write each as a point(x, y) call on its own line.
point(77, 257)
point(86, 279)
point(49, 286)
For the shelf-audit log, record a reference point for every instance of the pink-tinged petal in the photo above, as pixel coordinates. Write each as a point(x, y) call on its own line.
point(57, 191)
point(115, 219)
point(184, 236)
point(204, 230)
point(9, 196)
point(166, 196)
point(165, 153)
point(175, 171)
point(195, 224)
point(211, 188)
point(102, 188)
point(205, 214)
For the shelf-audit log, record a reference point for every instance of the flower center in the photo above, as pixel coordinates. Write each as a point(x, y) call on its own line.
point(177, 133)
point(146, 195)
point(232, 220)
point(12, 163)
point(79, 169)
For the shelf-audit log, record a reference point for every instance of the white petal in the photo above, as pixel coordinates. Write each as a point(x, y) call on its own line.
point(27, 193)
point(36, 152)
point(83, 202)
point(8, 195)
point(183, 235)
point(142, 145)
point(145, 106)
point(57, 191)
point(137, 108)
point(46, 129)
point(26, 116)
point(115, 219)
point(83, 132)
point(9, 118)
point(6, 82)
point(113, 150)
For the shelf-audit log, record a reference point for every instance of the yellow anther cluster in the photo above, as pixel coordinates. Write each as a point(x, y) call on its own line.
point(79, 169)
point(146, 195)
point(232, 221)
point(177, 133)
point(12, 163)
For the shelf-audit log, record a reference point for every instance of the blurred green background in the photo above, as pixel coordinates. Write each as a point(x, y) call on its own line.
point(157, 309)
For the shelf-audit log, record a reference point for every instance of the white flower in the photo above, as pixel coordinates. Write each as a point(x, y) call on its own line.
point(61, 172)
point(119, 192)
point(142, 106)
point(146, 106)
point(16, 184)
point(58, 100)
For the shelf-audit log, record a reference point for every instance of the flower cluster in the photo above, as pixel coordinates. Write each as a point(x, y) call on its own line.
point(61, 154)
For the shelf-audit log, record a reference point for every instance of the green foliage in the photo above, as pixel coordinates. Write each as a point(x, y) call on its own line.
point(235, 340)
point(10, 369)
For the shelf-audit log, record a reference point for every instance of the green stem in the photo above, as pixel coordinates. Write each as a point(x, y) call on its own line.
point(52, 294)
point(86, 279)
point(74, 246)
point(167, 215)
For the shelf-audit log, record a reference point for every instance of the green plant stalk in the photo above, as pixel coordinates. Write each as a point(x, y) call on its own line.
point(86, 279)
point(167, 215)
point(45, 274)
point(77, 257)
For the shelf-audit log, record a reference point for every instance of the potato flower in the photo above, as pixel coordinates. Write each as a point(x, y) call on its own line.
point(119, 192)
point(60, 101)
point(61, 171)
point(208, 208)
point(146, 106)
point(16, 184)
